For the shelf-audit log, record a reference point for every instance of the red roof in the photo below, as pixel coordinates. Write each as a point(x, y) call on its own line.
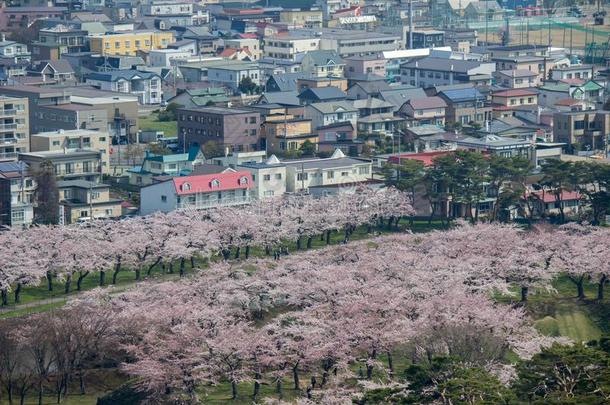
point(426, 157)
point(205, 183)
point(515, 93)
point(568, 102)
point(549, 197)
point(248, 35)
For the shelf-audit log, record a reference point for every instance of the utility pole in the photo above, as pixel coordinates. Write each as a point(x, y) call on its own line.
point(90, 201)
point(486, 23)
point(410, 24)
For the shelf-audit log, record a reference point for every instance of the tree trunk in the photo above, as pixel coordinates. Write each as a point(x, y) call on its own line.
point(328, 237)
point(182, 268)
point(600, 287)
point(346, 236)
point(581, 290)
point(117, 269)
point(102, 278)
point(49, 281)
point(9, 391)
point(152, 266)
point(192, 262)
point(267, 250)
point(233, 390)
point(391, 364)
point(18, 293)
point(295, 377)
point(138, 274)
point(4, 295)
point(68, 284)
point(247, 251)
point(170, 268)
point(369, 367)
point(299, 243)
point(79, 280)
point(81, 381)
point(40, 391)
point(257, 385)
point(524, 294)
point(279, 389)
point(309, 241)
point(237, 252)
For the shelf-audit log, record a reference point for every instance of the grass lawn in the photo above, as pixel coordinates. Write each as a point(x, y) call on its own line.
point(151, 122)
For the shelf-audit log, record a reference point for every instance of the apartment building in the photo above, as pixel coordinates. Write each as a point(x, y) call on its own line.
point(311, 18)
point(129, 43)
point(432, 71)
point(584, 72)
point(74, 140)
point(12, 50)
point(14, 127)
point(506, 101)
point(365, 65)
point(81, 200)
point(236, 129)
point(165, 165)
point(331, 112)
point(225, 188)
point(517, 78)
point(58, 40)
point(424, 111)
point(323, 64)
point(582, 129)
point(14, 18)
point(466, 106)
point(164, 8)
point(288, 45)
point(285, 132)
point(69, 165)
point(424, 39)
point(17, 188)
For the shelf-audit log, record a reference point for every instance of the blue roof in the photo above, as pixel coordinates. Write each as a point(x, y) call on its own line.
point(462, 94)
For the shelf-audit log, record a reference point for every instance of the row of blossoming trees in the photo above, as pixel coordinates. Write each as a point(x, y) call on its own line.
point(72, 253)
point(311, 318)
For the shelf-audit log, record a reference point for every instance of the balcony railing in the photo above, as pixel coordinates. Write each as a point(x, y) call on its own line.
point(8, 155)
point(6, 113)
point(214, 203)
point(8, 141)
point(6, 127)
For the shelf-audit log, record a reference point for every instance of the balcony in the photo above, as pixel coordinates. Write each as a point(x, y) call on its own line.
point(214, 203)
point(8, 141)
point(7, 113)
point(8, 155)
point(7, 127)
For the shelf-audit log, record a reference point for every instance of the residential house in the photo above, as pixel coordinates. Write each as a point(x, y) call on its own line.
point(14, 51)
point(321, 94)
point(517, 78)
point(340, 135)
point(283, 82)
point(54, 71)
point(17, 187)
point(466, 106)
point(332, 112)
point(72, 141)
point(14, 127)
point(69, 165)
point(251, 45)
point(296, 17)
point(433, 71)
point(505, 102)
point(284, 132)
point(15, 18)
point(193, 98)
point(590, 91)
point(584, 72)
point(240, 54)
point(225, 188)
point(129, 43)
point(153, 165)
point(365, 64)
point(536, 64)
point(268, 177)
point(230, 75)
point(427, 110)
point(481, 11)
point(166, 58)
point(544, 203)
point(238, 130)
point(354, 42)
point(497, 145)
point(513, 51)
point(398, 96)
point(366, 89)
point(582, 130)
point(81, 200)
point(323, 64)
point(146, 85)
point(309, 82)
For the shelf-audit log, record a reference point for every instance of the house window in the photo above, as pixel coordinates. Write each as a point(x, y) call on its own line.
point(363, 170)
point(269, 193)
point(109, 212)
point(278, 176)
point(243, 180)
point(266, 177)
point(164, 198)
point(186, 187)
point(344, 174)
point(302, 176)
point(215, 183)
point(330, 174)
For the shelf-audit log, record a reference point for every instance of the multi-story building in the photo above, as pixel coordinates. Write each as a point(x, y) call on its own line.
point(466, 106)
point(514, 51)
point(58, 40)
point(235, 129)
point(517, 79)
point(331, 112)
point(14, 51)
point(14, 127)
point(289, 45)
point(582, 129)
point(165, 165)
point(225, 188)
point(355, 42)
point(284, 132)
point(81, 200)
point(129, 43)
point(433, 71)
point(365, 65)
point(146, 85)
point(506, 101)
point(14, 18)
point(584, 72)
point(69, 165)
point(165, 58)
point(480, 11)
point(311, 18)
point(537, 64)
point(231, 74)
point(425, 39)
point(162, 8)
point(425, 111)
point(252, 45)
point(74, 140)
point(268, 177)
point(17, 188)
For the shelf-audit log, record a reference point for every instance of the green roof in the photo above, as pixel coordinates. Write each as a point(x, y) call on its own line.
point(591, 85)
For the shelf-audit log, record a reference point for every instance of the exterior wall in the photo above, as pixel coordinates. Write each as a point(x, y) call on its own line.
point(351, 47)
point(318, 119)
point(302, 18)
point(252, 44)
point(130, 43)
point(100, 210)
point(516, 101)
point(238, 132)
point(557, 74)
point(70, 166)
point(269, 181)
point(335, 176)
point(231, 77)
point(358, 67)
point(517, 82)
point(160, 197)
point(73, 140)
point(465, 113)
point(14, 127)
point(164, 58)
point(53, 118)
point(288, 48)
